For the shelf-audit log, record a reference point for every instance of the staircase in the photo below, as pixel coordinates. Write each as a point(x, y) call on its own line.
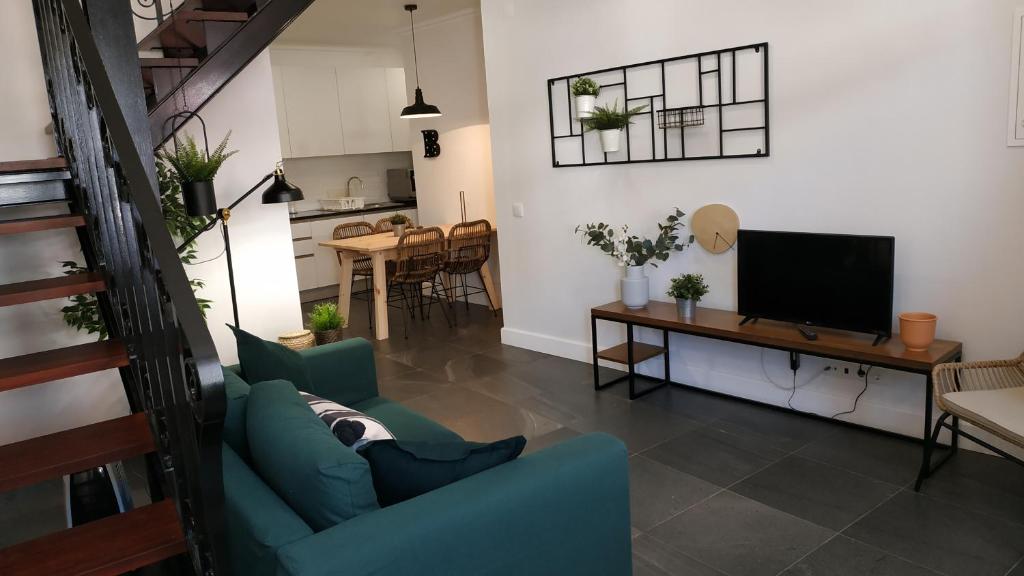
point(158, 340)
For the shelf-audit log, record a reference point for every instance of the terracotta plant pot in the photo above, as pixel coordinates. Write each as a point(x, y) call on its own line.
point(917, 330)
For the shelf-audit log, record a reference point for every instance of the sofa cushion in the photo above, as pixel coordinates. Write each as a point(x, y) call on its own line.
point(351, 426)
point(258, 521)
point(296, 454)
point(262, 360)
point(404, 470)
point(237, 392)
point(404, 423)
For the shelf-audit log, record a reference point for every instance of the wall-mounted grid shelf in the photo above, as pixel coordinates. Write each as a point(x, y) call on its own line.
point(699, 106)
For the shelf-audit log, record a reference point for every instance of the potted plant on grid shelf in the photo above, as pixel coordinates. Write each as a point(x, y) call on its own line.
point(609, 122)
point(634, 252)
point(325, 322)
point(688, 289)
point(195, 169)
point(585, 90)
point(399, 222)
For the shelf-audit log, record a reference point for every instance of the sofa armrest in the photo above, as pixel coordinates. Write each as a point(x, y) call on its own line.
point(564, 510)
point(342, 371)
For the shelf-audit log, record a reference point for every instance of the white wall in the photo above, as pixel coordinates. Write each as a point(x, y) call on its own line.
point(261, 240)
point(451, 63)
point(886, 118)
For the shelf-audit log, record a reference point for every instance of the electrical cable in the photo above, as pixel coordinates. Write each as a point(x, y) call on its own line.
point(857, 399)
point(222, 252)
point(792, 393)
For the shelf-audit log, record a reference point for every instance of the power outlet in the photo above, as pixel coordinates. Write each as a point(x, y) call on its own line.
point(847, 370)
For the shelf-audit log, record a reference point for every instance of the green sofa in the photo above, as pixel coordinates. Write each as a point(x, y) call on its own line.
point(560, 511)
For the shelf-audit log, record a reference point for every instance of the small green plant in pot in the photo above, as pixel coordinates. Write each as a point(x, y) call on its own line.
point(585, 90)
point(688, 289)
point(399, 222)
point(609, 122)
point(195, 169)
point(325, 322)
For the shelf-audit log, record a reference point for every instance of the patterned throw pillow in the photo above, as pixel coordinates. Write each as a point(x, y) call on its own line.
point(352, 427)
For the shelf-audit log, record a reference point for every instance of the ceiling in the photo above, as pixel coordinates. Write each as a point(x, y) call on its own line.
point(364, 22)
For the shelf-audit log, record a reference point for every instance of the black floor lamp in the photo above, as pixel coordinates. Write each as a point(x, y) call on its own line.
point(278, 192)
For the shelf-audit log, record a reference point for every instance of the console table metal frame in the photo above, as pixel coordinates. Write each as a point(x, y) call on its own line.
point(726, 325)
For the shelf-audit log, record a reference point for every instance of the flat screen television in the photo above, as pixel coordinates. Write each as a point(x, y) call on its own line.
point(830, 280)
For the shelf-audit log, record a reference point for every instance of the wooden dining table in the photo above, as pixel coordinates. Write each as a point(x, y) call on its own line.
point(380, 248)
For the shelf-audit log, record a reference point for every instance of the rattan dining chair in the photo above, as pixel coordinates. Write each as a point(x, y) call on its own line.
point(361, 267)
point(988, 395)
point(383, 225)
point(420, 258)
point(469, 247)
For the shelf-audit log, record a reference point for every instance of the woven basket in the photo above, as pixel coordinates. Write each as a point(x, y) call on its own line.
point(327, 336)
point(298, 340)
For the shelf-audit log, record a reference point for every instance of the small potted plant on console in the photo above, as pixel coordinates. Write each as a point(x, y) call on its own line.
point(609, 122)
point(325, 322)
point(688, 289)
point(399, 222)
point(585, 90)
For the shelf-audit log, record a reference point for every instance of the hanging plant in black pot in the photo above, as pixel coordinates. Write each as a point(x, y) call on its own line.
point(195, 169)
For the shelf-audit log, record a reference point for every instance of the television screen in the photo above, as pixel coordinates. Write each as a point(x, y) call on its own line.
point(833, 280)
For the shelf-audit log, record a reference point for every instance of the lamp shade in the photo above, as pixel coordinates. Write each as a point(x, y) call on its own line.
point(281, 191)
point(420, 109)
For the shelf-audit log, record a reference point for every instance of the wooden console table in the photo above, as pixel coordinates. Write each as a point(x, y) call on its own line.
point(726, 325)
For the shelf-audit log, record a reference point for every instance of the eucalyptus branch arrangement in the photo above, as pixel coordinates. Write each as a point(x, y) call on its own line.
point(632, 250)
point(83, 313)
point(611, 118)
point(195, 165)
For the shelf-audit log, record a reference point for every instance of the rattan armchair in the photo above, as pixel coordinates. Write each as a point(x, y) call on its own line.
point(988, 395)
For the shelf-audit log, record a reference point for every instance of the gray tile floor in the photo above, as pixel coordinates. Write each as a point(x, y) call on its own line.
point(718, 486)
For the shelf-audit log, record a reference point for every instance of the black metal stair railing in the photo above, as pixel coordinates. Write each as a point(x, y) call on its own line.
point(174, 374)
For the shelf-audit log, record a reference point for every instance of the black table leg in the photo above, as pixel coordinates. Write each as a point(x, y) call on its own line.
point(926, 448)
point(593, 337)
point(629, 360)
point(668, 372)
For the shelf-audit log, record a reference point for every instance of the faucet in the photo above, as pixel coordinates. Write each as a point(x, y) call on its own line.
point(348, 185)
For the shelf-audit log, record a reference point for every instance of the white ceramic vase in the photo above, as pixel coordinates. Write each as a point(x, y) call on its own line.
point(610, 140)
point(636, 290)
point(585, 106)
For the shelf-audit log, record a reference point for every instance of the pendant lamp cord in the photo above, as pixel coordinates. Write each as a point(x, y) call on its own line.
point(415, 60)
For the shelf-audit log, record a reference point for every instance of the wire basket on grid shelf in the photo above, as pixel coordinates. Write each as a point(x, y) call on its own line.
point(680, 117)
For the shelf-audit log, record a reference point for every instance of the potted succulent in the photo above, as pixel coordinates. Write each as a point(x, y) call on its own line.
point(634, 252)
point(585, 90)
point(609, 122)
point(398, 223)
point(195, 170)
point(688, 289)
point(325, 322)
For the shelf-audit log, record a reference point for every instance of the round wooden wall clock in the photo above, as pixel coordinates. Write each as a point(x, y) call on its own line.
point(715, 227)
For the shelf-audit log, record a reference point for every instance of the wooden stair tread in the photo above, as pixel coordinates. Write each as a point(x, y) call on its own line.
point(620, 353)
point(109, 546)
point(29, 369)
point(40, 223)
point(51, 288)
point(159, 36)
point(51, 456)
point(41, 165)
point(168, 62)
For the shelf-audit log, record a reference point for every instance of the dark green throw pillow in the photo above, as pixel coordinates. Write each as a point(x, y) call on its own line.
point(262, 360)
point(404, 470)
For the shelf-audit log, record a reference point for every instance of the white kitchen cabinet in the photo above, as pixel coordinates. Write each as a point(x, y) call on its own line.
point(1015, 133)
point(364, 110)
point(398, 98)
point(305, 268)
point(313, 111)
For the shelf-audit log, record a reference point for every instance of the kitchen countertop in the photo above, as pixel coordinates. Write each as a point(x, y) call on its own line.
point(372, 208)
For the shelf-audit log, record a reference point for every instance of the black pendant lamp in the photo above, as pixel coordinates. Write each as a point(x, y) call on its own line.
point(419, 108)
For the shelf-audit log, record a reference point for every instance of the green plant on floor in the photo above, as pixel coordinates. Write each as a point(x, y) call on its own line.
point(631, 250)
point(585, 87)
point(83, 313)
point(397, 219)
point(325, 317)
point(193, 164)
point(605, 118)
point(688, 287)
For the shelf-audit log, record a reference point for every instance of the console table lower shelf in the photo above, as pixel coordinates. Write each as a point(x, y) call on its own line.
point(729, 326)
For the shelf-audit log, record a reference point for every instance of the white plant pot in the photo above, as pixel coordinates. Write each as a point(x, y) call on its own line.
point(636, 289)
point(610, 140)
point(585, 106)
